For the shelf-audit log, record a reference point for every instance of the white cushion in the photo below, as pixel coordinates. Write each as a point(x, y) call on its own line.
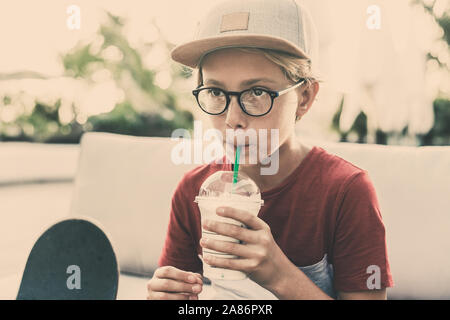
point(126, 183)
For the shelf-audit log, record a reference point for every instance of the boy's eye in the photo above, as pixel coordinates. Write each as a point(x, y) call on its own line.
point(215, 92)
point(258, 92)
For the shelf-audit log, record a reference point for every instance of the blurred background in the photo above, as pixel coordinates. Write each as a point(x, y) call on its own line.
point(385, 73)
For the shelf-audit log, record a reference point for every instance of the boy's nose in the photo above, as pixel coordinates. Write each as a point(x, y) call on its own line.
point(235, 116)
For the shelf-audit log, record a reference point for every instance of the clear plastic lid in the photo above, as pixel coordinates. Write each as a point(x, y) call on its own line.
point(220, 185)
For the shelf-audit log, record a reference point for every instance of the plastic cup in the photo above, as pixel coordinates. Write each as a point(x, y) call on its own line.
point(218, 191)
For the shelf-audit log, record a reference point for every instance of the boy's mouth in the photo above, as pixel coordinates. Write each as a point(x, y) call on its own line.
point(243, 146)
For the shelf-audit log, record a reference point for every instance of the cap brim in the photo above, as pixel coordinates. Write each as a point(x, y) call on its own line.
point(190, 53)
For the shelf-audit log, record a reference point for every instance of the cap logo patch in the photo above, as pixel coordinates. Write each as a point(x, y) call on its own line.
point(234, 21)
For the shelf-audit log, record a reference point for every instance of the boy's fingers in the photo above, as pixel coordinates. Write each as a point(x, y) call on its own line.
point(167, 296)
point(199, 278)
point(169, 272)
point(169, 285)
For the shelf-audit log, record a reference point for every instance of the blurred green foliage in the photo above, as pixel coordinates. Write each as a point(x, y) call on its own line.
point(439, 133)
point(359, 126)
point(125, 120)
point(147, 111)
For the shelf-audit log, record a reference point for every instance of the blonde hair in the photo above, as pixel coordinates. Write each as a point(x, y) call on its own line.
point(294, 68)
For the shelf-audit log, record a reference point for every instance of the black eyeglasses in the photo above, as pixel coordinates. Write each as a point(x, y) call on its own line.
point(255, 101)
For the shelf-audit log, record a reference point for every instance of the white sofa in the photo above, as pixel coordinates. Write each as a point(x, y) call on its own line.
point(126, 184)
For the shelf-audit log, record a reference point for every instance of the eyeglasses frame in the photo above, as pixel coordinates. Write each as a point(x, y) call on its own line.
point(272, 94)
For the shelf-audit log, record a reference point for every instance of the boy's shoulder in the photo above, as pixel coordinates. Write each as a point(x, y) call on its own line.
point(336, 173)
point(335, 166)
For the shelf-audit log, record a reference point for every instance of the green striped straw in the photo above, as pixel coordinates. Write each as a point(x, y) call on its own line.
point(236, 167)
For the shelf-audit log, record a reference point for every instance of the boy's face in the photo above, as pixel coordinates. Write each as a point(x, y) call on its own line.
point(232, 67)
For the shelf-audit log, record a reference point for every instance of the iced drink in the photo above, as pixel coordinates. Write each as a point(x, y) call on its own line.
point(219, 191)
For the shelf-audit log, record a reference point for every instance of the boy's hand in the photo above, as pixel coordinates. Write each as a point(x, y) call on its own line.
point(259, 255)
point(170, 283)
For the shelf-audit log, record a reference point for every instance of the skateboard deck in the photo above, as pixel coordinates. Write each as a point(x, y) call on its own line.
point(71, 260)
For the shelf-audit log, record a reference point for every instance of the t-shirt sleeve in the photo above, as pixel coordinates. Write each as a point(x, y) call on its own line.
point(179, 248)
point(360, 248)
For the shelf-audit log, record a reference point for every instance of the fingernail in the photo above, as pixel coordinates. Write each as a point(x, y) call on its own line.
point(192, 297)
point(196, 288)
point(199, 277)
point(203, 241)
point(191, 279)
point(220, 210)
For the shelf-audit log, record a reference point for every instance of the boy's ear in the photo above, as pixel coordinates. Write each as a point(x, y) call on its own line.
point(306, 98)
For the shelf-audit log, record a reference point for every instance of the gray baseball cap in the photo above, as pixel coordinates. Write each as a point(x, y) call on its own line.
point(284, 25)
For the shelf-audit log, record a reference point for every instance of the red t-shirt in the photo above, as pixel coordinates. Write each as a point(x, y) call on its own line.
point(325, 206)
